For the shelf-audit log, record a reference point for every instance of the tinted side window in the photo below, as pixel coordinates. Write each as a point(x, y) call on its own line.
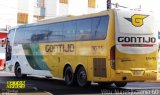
point(19, 36)
point(56, 32)
point(99, 27)
point(42, 33)
point(83, 29)
point(69, 31)
point(11, 36)
point(30, 35)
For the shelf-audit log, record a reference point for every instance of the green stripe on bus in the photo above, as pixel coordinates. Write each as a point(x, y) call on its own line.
point(34, 57)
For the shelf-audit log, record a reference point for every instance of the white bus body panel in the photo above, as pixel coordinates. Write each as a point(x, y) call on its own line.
point(18, 55)
point(125, 28)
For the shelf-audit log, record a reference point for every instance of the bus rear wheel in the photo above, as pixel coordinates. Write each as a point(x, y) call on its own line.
point(18, 72)
point(82, 78)
point(120, 84)
point(69, 76)
point(48, 77)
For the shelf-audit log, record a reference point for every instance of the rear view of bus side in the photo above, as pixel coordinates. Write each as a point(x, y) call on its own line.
point(111, 46)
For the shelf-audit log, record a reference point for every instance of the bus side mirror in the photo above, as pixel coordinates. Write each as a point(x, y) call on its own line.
point(8, 51)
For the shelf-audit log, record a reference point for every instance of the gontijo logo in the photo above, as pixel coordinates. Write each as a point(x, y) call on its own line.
point(137, 19)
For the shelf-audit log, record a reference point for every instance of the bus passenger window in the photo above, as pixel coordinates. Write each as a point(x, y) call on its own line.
point(30, 35)
point(19, 36)
point(99, 27)
point(42, 33)
point(56, 32)
point(83, 30)
point(69, 31)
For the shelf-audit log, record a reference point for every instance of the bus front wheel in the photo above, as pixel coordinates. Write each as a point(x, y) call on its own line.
point(82, 78)
point(18, 72)
point(120, 84)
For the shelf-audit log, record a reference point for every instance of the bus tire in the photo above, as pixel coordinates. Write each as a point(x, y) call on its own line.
point(48, 77)
point(120, 84)
point(18, 72)
point(69, 76)
point(104, 84)
point(82, 77)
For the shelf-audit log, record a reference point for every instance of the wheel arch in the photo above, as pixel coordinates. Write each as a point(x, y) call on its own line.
point(16, 63)
point(64, 68)
point(19, 75)
point(77, 68)
point(87, 82)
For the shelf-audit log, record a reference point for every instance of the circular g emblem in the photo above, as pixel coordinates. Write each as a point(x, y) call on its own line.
point(137, 19)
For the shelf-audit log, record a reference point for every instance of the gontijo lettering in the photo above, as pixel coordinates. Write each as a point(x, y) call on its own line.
point(137, 39)
point(59, 48)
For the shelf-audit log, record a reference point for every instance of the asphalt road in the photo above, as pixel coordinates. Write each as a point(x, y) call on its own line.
point(37, 84)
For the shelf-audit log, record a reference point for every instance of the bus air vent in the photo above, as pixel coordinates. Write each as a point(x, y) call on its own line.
point(99, 65)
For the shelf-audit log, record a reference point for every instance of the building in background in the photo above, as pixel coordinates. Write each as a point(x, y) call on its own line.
point(56, 8)
point(18, 12)
point(8, 14)
point(30, 11)
point(39, 10)
point(25, 11)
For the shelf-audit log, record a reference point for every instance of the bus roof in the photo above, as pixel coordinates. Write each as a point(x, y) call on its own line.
point(65, 18)
point(71, 17)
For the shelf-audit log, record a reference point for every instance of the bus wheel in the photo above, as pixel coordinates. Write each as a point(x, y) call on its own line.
point(82, 78)
point(69, 76)
point(18, 71)
point(105, 84)
point(48, 77)
point(120, 84)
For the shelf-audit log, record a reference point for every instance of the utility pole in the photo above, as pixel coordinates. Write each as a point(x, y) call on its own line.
point(109, 4)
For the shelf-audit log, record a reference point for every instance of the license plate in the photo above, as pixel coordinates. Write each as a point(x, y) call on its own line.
point(137, 72)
